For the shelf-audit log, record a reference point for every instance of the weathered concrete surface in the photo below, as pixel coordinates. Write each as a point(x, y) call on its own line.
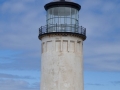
point(61, 63)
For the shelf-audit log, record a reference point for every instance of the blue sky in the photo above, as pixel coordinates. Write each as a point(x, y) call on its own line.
point(20, 47)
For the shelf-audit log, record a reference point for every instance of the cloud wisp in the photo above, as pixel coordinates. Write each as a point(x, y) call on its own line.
point(18, 85)
point(10, 76)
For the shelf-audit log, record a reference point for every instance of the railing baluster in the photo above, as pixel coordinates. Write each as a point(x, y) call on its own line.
point(39, 31)
point(56, 27)
point(85, 32)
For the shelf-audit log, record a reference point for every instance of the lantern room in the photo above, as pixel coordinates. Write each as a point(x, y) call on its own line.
point(62, 16)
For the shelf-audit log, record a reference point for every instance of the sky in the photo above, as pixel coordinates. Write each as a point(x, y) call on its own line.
point(20, 48)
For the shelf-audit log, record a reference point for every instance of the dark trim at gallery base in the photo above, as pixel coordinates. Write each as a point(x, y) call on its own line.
point(62, 34)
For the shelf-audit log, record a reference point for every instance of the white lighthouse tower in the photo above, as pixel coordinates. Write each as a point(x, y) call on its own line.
point(62, 47)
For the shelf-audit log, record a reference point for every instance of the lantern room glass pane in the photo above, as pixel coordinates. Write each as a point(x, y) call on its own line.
point(63, 18)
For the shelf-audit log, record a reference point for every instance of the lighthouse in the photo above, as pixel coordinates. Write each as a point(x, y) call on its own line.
point(62, 47)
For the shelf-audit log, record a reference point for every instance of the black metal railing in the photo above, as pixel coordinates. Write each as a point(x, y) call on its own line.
point(62, 28)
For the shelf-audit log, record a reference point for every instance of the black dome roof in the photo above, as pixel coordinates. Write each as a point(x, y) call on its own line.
point(62, 3)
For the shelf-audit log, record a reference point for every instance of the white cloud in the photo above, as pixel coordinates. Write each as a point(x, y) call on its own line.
point(13, 7)
point(22, 29)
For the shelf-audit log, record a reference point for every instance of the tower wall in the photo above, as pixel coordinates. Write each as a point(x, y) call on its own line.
point(61, 63)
